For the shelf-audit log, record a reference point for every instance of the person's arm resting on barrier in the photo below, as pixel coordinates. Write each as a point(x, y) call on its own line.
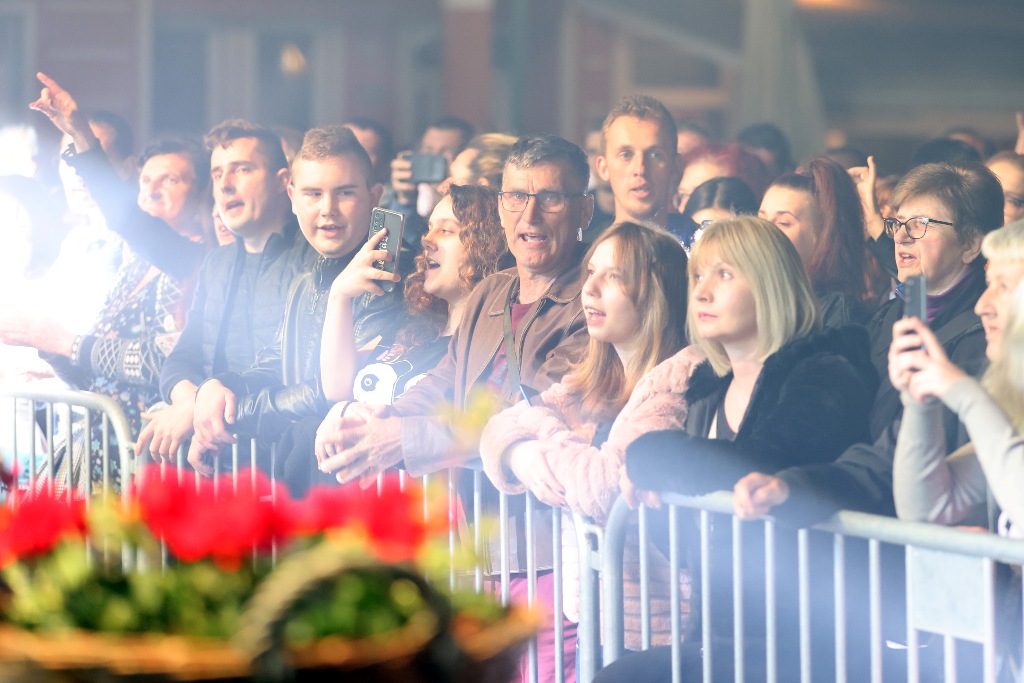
point(811, 421)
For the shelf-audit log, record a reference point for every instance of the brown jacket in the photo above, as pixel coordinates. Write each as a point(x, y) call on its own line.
point(548, 337)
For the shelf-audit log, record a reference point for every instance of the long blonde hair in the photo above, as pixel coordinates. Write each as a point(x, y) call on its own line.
point(653, 265)
point(785, 307)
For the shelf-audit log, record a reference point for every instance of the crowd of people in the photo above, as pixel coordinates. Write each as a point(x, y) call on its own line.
point(664, 312)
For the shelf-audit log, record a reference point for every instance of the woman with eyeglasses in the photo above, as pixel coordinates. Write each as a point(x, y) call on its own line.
point(943, 211)
point(928, 485)
point(979, 483)
point(820, 211)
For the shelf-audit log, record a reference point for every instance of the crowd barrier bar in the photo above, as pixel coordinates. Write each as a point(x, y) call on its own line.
point(950, 586)
point(112, 418)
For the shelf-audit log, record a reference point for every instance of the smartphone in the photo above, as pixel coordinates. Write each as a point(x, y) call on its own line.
point(428, 168)
point(529, 394)
point(916, 292)
point(394, 223)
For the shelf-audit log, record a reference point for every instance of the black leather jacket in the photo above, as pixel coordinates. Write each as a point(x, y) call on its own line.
point(283, 385)
point(201, 351)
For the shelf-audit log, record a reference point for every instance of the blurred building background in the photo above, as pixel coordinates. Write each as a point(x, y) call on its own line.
point(880, 74)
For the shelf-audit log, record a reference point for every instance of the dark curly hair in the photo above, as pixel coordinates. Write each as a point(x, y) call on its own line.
point(476, 209)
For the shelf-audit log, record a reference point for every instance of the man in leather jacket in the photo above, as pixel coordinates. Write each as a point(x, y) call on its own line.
point(241, 287)
point(532, 310)
point(332, 193)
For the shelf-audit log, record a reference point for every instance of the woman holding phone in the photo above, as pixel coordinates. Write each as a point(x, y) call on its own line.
point(464, 244)
point(928, 485)
point(978, 484)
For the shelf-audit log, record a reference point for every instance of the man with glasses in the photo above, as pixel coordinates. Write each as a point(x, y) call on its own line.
point(520, 330)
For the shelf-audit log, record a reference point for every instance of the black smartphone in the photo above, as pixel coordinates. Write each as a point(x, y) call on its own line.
point(916, 292)
point(428, 168)
point(394, 223)
point(529, 394)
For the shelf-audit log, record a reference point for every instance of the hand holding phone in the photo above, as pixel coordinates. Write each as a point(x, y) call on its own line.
point(394, 223)
point(915, 291)
point(428, 168)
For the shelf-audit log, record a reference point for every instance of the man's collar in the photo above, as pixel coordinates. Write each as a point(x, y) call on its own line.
point(564, 289)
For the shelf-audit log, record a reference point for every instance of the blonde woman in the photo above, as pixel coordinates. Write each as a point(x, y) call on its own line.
point(775, 392)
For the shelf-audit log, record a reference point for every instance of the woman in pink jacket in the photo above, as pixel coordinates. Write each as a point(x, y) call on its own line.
point(567, 445)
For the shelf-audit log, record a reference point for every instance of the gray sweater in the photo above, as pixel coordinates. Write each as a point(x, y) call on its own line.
point(931, 487)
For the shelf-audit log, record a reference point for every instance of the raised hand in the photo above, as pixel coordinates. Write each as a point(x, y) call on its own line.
point(60, 107)
point(917, 362)
point(360, 276)
point(864, 178)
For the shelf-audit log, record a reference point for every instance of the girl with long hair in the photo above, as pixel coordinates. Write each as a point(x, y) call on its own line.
point(567, 444)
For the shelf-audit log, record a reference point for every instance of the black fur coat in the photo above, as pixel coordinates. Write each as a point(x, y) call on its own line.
point(811, 402)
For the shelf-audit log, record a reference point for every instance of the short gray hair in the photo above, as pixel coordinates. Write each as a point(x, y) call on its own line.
point(551, 149)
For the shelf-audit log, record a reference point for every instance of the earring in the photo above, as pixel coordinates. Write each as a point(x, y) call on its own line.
point(579, 235)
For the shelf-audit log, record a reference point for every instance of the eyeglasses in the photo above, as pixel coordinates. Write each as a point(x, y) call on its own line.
point(916, 227)
point(548, 201)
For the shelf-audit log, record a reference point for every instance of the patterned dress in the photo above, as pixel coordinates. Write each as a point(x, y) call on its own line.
point(121, 357)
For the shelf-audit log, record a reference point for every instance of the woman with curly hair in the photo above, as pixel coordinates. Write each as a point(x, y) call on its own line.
point(463, 245)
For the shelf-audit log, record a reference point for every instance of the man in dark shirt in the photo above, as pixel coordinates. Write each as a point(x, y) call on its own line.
point(640, 162)
point(242, 287)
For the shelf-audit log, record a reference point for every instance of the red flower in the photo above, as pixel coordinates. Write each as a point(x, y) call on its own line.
point(212, 519)
point(392, 519)
point(36, 524)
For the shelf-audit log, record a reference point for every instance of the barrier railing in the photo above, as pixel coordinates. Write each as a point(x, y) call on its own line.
point(61, 422)
point(513, 550)
point(950, 587)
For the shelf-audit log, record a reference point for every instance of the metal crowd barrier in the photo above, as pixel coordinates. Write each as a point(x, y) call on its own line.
point(41, 426)
point(950, 590)
point(950, 583)
point(542, 527)
point(38, 421)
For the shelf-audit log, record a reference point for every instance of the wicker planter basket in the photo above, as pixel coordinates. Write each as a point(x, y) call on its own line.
point(430, 648)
